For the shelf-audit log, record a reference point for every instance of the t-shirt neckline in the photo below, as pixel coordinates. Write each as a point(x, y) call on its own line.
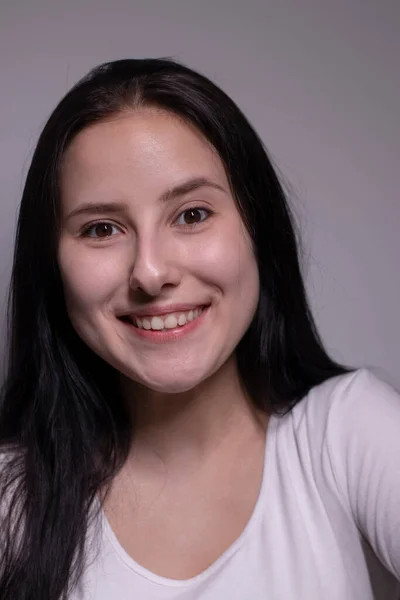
point(224, 557)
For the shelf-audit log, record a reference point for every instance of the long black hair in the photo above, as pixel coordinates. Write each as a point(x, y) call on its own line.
point(63, 429)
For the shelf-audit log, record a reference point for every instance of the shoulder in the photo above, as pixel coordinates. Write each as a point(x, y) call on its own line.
point(357, 418)
point(349, 401)
point(351, 427)
point(347, 425)
point(363, 423)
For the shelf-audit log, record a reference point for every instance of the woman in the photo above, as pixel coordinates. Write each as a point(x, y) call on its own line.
point(171, 424)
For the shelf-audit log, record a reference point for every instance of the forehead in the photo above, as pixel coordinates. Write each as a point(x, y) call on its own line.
point(144, 147)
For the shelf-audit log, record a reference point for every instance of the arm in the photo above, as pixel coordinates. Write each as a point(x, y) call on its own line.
point(363, 442)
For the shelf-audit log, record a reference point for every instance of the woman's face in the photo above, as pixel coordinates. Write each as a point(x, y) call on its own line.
point(158, 270)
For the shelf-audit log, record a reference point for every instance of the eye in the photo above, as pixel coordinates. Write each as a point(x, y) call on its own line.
point(192, 216)
point(99, 230)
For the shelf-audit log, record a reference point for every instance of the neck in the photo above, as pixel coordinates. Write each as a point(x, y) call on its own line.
point(185, 429)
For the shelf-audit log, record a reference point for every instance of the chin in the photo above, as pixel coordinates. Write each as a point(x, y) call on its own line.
point(172, 382)
point(173, 386)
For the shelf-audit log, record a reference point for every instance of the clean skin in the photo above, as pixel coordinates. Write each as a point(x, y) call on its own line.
point(150, 228)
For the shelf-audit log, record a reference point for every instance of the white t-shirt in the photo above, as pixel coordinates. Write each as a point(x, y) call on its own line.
point(330, 491)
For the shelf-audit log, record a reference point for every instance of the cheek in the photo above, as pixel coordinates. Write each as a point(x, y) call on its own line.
point(244, 283)
point(88, 279)
point(227, 261)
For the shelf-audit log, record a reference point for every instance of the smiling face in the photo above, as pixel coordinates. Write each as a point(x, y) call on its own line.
point(159, 275)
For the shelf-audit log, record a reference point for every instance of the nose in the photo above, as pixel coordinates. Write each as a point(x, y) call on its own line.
point(155, 266)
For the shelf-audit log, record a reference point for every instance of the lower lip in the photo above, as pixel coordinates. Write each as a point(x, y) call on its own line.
point(168, 335)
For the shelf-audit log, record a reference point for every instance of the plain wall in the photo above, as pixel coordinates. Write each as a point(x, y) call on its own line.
point(320, 81)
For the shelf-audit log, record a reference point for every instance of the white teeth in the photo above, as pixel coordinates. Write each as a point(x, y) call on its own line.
point(157, 323)
point(171, 321)
point(182, 319)
point(146, 324)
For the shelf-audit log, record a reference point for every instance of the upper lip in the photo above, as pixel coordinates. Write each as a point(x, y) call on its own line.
point(150, 311)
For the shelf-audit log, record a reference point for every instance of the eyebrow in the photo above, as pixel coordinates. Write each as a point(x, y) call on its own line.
point(172, 194)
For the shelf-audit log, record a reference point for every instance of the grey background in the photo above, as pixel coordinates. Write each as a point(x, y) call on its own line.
point(319, 80)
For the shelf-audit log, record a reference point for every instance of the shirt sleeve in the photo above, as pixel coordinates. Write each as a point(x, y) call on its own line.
point(363, 442)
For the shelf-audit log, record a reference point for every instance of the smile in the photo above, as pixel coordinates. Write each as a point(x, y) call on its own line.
point(165, 322)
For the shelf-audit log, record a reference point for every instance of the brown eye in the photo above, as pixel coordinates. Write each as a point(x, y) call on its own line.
point(103, 230)
point(99, 230)
point(192, 216)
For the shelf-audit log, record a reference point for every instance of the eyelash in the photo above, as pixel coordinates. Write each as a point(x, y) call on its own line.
point(88, 228)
